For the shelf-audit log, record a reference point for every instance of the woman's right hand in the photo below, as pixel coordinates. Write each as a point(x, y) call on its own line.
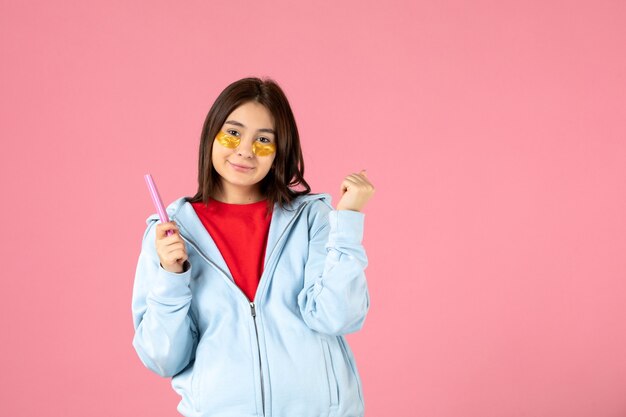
point(171, 249)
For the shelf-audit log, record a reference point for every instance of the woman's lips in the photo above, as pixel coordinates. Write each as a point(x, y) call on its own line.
point(240, 168)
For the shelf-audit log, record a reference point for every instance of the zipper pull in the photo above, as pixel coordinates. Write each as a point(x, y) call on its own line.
point(252, 309)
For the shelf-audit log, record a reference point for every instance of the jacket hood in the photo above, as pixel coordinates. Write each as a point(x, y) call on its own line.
point(193, 231)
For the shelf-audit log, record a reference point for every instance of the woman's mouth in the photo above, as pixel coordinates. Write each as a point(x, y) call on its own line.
point(240, 168)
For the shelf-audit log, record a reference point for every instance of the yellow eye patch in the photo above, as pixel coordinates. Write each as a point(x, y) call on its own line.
point(263, 149)
point(232, 142)
point(226, 140)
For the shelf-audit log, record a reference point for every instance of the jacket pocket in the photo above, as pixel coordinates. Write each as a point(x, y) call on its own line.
point(333, 386)
point(349, 358)
point(195, 381)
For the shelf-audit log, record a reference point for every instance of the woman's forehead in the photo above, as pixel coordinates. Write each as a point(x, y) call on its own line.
point(251, 115)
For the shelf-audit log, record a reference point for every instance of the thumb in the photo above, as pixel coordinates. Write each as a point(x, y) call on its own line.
point(363, 172)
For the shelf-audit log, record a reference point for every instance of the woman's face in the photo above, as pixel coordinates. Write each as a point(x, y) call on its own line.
point(244, 156)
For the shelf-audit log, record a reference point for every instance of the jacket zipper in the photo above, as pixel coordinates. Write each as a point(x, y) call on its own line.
point(258, 346)
point(252, 311)
point(252, 304)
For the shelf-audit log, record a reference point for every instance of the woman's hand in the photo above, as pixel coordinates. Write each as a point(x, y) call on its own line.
point(356, 190)
point(171, 249)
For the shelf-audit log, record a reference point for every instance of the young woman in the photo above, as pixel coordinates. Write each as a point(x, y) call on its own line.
point(247, 303)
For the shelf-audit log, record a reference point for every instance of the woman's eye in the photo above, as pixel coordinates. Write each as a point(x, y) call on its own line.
point(264, 140)
point(232, 132)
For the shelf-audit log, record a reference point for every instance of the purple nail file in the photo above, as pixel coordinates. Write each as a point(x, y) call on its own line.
point(158, 203)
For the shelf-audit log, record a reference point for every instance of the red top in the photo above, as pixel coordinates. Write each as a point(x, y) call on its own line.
point(240, 233)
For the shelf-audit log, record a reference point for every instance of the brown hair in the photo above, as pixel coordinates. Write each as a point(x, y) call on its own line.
point(288, 169)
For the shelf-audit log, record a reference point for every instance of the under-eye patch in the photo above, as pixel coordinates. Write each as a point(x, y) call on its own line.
point(232, 142)
point(228, 141)
point(263, 149)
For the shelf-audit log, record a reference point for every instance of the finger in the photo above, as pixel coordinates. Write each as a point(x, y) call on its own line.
point(176, 254)
point(363, 174)
point(357, 179)
point(358, 183)
point(357, 176)
point(172, 241)
point(348, 182)
point(162, 228)
point(362, 178)
point(173, 244)
point(168, 236)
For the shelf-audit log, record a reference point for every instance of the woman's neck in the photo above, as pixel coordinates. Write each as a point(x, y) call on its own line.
point(232, 195)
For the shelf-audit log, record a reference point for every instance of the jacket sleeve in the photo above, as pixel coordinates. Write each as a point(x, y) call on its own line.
point(165, 334)
point(335, 299)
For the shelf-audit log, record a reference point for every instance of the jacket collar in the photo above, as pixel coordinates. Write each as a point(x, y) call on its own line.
point(182, 212)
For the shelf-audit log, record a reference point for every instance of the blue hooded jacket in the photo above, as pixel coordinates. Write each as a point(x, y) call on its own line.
point(282, 354)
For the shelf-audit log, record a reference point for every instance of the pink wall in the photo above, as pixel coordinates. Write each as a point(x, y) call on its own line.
point(494, 131)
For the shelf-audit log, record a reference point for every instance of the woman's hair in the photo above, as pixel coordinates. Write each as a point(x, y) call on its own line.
point(288, 168)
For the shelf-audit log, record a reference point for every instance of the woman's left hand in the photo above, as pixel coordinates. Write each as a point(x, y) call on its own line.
point(356, 190)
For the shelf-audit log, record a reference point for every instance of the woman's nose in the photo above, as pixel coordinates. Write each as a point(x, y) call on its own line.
point(245, 149)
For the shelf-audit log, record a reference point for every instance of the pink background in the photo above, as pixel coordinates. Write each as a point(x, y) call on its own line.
point(494, 132)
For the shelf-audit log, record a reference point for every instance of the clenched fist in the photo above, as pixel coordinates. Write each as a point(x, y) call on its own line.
point(171, 249)
point(356, 190)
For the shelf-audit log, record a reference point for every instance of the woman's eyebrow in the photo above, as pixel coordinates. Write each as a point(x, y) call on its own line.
point(236, 123)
